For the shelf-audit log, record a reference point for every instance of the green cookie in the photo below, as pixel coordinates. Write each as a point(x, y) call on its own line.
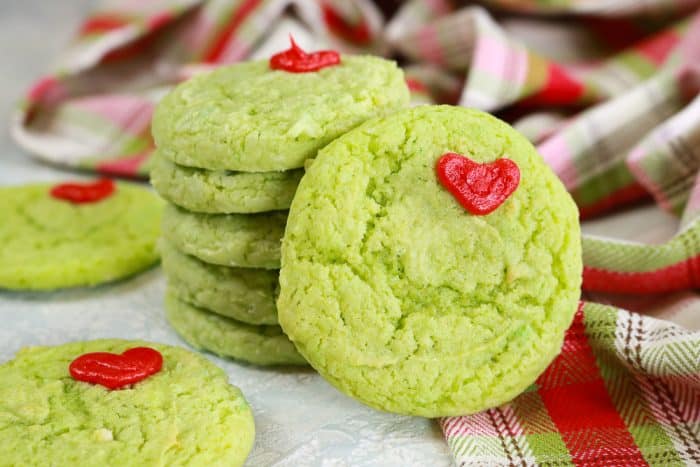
point(249, 118)
point(49, 418)
point(226, 337)
point(224, 192)
point(50, 243)
point(241, 240)
point(403, 299)
point(247, 295)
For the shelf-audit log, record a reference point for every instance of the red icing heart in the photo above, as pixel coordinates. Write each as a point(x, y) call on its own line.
point(296, 60)
point(80, 193)
point(115, 371)
point(480, 188)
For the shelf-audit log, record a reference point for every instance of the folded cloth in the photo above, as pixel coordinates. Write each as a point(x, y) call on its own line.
point(608, 90)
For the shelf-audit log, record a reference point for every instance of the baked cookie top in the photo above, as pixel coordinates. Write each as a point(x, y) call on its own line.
point(248, 117)
point(51, 242)
point(403, 298)
point(47, 416)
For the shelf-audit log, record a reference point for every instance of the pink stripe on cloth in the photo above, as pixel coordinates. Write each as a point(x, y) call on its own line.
point(196, 36)
point(690, 44)
point(430, 45)
point(440, 7)
point(556, 153)
point(476, 424)
point(634, 164)
point(47, 91)
point(159, 19)
point(694, 200)
point(234, 51)
point(657, 48)
point(500, 59)
point(131, 114)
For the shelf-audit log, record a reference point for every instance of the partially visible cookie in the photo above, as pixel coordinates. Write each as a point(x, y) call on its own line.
point(248, 117)
point(240, 240)
point(50, 242)
point(49, 418)
point(226, 337)
point(247, 295)
point(201, 190)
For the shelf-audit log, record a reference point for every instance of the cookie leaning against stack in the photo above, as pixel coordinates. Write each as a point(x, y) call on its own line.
point(446, 269)
point(231, 147)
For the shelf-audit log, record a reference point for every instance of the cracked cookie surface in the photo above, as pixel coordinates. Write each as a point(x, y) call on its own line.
point(404, 300)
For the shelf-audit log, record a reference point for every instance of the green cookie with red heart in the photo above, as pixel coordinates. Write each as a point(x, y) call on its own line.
point(268, 115)
point(431, 263)
point(118, 402)
point(76, 234)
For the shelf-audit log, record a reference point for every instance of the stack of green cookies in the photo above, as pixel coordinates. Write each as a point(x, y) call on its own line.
point(231, 149)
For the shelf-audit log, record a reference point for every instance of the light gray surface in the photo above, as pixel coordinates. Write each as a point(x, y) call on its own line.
point(300, 419)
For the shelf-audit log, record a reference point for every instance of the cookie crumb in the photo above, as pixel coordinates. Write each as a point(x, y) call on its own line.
point(103, 434)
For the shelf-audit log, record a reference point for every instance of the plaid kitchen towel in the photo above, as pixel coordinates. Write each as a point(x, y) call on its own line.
point(625, 391)
point(609, 91)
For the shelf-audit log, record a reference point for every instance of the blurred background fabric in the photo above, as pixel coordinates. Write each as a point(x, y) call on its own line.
point(608, 91)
